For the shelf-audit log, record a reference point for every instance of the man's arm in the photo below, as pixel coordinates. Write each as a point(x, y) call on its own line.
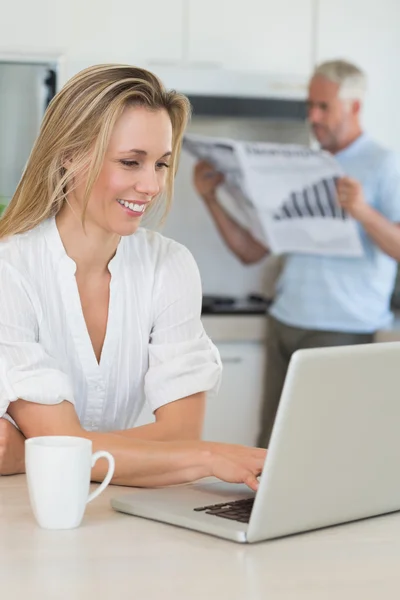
point(383, 232)
point(144, 463)
point(238, 239)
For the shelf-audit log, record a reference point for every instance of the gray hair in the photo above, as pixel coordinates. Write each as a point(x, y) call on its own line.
point(351, 79)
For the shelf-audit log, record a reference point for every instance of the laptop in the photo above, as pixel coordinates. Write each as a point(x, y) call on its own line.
point(334, 454)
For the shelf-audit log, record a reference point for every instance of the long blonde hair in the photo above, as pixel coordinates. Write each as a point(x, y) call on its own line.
point(78, 124)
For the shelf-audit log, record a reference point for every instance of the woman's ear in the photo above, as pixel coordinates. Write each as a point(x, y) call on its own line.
point(66, 162)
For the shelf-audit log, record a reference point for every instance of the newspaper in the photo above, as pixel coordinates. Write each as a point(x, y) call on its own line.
point(284, 193)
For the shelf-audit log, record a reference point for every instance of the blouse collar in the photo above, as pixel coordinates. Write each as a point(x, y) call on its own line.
point(60, 256)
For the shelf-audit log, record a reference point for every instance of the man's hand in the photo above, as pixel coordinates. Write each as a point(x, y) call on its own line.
point(206, 180)
point(351, 197)
point(12, 450)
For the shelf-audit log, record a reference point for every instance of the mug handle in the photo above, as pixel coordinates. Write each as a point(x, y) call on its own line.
point(107, 478)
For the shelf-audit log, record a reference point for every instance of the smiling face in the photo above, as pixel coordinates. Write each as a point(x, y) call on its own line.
point(134, 171)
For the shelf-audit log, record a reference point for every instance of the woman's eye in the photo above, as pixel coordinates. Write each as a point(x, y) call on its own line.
point(129, 163)
point(162, 165)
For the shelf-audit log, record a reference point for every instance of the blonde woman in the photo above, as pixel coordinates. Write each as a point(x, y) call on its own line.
point(97, 313)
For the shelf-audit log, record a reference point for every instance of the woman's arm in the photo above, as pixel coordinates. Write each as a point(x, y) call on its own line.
point(175, 421)
point(144, 463)
point(12, 450)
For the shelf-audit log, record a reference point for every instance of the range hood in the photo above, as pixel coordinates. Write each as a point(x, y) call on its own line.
point(223, 92)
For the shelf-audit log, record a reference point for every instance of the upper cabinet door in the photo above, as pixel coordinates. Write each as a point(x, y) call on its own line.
point(131, 31)
point(89, 31)
point(267, 35)
point(35, 26)
point(366, 32)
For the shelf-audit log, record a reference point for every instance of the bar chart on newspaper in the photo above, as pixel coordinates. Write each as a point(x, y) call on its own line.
point(286, 194)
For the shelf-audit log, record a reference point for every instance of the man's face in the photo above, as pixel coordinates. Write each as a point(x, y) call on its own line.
point(332, 119)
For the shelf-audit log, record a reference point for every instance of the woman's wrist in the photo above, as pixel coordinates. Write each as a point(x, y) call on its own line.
point(198, 460)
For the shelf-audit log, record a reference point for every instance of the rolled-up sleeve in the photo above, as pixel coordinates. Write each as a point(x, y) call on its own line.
point(26, 370)
point(182, 359)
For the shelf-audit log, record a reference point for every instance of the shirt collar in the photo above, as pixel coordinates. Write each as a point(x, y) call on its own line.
point(56, 246)
point(354, 147)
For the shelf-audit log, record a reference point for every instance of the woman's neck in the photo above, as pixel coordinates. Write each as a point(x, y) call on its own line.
point(91, 249)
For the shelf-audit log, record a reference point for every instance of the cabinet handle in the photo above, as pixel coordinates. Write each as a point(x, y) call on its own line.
point(232, 359)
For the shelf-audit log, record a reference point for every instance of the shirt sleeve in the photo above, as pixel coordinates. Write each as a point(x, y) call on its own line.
point(389, 188)
point(182, 359)
point(26, 370)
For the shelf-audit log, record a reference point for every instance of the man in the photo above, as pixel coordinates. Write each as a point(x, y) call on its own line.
point(328, 301)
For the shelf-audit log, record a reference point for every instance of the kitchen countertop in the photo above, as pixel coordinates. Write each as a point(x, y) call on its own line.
point(253, 328)
point(113, 555)
point(235, 328)
point(229, 319)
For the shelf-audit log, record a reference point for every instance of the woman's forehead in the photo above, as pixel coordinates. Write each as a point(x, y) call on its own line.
point(139, 128)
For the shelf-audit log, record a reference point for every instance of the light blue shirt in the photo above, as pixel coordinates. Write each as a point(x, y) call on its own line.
point(347, 294)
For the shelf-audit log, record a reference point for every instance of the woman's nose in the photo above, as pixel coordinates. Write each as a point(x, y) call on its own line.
point(148, 183)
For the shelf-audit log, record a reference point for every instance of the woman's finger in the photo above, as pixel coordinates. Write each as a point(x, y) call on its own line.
point(251, 480)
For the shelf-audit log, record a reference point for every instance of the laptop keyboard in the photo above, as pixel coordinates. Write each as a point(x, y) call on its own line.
point(239, 510)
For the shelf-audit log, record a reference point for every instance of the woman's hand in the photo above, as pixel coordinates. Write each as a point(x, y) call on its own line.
point(12, 449)
point(236, 464)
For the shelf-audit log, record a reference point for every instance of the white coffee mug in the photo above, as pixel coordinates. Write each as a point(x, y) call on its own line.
point(58, 470)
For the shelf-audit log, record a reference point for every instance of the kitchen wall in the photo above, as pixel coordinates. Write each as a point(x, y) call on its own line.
point(190, 223)
point(285, 37)
point(366, 31)
point(22, 101)
point(272, 38)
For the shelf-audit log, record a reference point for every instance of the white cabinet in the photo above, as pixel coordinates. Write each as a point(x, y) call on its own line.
point(267, 35)
point(129, 31)
point(234, 415)
point(37, 25)
point(90, 31)
point(367, 33)
point(264, 35)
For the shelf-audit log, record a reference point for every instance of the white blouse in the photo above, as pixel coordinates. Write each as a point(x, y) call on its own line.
point(155, 346)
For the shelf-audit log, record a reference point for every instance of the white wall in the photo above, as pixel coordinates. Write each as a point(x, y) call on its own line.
point(367, 32)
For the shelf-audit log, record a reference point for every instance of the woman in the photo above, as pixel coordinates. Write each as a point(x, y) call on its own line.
point(97, 313)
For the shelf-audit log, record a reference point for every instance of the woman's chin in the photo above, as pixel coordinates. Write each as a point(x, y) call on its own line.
point(126, 227)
